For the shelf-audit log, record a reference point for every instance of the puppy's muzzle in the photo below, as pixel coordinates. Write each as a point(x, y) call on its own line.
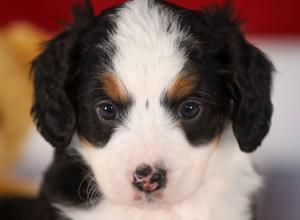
point(149, 179)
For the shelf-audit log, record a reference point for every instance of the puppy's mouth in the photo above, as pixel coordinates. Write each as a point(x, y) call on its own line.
point(156, 196)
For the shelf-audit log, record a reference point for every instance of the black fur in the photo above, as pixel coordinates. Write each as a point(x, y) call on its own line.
point(55, 70)
point(52, 109)
point(16, 209)
point(235, 78)
point(64, 74)
point(235, 83)
point(247, 74)
point(232, 72)
point(70, 181)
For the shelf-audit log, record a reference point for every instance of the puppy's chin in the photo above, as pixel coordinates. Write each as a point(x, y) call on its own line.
point(153, 200)
point(157, 199)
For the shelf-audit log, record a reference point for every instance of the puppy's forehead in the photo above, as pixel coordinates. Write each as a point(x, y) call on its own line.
point(148, 56)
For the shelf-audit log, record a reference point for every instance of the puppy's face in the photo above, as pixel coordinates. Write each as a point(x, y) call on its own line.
point(145, 120)
point(148, 88)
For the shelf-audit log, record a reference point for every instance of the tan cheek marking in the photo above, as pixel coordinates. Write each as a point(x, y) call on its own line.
point(216, 140)
point(85, 143)
point(113, 87)
point(183, 85)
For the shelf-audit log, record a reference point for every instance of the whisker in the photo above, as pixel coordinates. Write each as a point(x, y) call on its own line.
point(80, 185)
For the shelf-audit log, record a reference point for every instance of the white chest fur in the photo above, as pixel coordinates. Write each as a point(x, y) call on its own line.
point(230, 208)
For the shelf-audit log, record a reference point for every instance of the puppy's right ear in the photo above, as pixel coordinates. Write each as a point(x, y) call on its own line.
point(52, 110)
point(53, 72)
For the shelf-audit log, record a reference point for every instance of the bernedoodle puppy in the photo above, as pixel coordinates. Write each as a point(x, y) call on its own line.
point(152, 110)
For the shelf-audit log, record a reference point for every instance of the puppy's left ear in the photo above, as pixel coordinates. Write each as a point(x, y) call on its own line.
point(250, 87)
point(247, 73)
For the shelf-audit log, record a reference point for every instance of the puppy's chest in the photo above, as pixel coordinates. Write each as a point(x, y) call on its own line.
point(192, 210)
point(109, 211)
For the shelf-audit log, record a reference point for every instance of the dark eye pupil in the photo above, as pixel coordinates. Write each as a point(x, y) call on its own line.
point(190, 110)
point(107, 111)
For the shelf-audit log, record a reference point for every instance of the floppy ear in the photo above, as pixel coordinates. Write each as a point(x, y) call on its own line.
point(247, 75)
point(252, 107)
point(52, 109)
point(53, 72)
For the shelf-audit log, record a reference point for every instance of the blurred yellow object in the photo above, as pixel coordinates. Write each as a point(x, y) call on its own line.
point(19, 44)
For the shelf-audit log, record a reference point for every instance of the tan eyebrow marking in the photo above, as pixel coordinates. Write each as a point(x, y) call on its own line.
point(113, 87)
point(182, 86)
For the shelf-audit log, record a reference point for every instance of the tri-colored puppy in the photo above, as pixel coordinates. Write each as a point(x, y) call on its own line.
point(151, 108)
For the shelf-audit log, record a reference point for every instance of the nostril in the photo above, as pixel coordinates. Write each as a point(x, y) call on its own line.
point(143, 170)
point(159, 177)
point(140, 186)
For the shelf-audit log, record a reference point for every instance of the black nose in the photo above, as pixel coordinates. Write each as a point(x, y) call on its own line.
point(148, 179)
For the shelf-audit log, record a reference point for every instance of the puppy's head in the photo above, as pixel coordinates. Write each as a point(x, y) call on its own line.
point(148, 88)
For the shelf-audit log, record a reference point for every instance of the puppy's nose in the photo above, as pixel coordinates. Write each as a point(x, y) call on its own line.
point(148, 179)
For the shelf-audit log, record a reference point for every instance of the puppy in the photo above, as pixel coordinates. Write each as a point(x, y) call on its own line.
point(152, 109)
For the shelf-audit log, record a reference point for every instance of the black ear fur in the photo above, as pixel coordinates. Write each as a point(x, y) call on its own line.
point(52, 109)
point(53, 72)
point(252, 107)
point(83, 16)
point(247, 75)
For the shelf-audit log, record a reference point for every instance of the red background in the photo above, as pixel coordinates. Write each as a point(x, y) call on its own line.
point(279, 17)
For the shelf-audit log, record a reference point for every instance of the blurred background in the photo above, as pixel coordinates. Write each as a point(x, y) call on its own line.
point(273, 26)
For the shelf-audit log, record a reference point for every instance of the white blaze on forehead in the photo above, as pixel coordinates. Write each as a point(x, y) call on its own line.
point(147, 57)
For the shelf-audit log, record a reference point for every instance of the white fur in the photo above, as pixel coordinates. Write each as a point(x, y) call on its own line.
point(224, 193)
point(207, 182)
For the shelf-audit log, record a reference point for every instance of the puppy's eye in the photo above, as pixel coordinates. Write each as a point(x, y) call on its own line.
point(107, 111)
point(189, 109)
